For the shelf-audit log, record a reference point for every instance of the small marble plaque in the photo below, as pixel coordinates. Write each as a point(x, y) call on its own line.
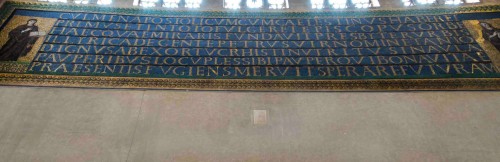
point(260, 117)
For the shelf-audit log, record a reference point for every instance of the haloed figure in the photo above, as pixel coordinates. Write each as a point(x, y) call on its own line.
point(491, 34)
point(21, 40)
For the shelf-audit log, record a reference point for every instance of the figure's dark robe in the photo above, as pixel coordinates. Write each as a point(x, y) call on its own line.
point(495, 40)
point(19, 44)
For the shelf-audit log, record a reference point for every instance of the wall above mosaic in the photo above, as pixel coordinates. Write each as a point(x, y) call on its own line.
point(82, 46)
point(272, 4)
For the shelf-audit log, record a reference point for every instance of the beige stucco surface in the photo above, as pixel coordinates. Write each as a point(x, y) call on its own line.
point(69, 124)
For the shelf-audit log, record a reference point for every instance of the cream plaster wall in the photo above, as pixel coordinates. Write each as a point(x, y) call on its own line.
point(73, 124)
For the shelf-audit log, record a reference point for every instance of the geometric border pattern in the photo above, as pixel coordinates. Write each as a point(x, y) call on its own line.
point(251, 84)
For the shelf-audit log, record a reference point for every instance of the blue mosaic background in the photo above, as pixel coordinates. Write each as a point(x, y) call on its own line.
point(426, 46)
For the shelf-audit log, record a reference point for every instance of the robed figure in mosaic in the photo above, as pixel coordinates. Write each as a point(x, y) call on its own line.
point(21, 41)
point(491, 34)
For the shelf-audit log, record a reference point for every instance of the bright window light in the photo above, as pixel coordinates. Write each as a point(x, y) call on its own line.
point(409, 2)
point(104, 2)
point(81, 1)
point(278, 4)
point(317, 4)
point(361, 3)
point(193, 3)
point(232, 4)
point(337, 4)
point(145, 3)
point(365, 3)
point(171, 3)
point(426, 1)
point(456, 2)
point(375, 3)
point(254, 3)
point(453, 2)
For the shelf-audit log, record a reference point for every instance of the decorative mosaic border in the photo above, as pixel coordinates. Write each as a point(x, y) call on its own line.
point(250, 84)
point(247, 84)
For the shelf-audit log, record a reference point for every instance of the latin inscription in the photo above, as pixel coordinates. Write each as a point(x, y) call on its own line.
point(421, 46)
